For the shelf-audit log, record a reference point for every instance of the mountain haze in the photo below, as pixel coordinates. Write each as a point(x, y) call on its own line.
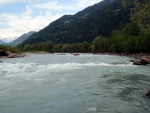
point(22, 38)
point(99, 19)
point(2, 42)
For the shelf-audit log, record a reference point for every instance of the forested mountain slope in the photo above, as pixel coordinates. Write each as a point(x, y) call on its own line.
point(99, 19)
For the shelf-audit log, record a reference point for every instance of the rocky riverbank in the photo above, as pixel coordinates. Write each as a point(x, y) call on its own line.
point(141, 59)
point(7, 54)
point(138, 59)
point(15, 55)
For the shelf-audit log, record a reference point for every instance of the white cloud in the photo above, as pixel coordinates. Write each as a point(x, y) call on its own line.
point(2, 2)
point(52, 5)
point(28, 11)
point(7, 1)
point(17, 24)
point(84, 3)
point(23, 23)
point(55, 5)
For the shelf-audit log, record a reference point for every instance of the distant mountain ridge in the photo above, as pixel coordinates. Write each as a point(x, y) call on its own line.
point(99, 19)
point(2, 42)
point(22, 38)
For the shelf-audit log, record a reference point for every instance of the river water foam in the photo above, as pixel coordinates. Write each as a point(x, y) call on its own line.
point(53, 83)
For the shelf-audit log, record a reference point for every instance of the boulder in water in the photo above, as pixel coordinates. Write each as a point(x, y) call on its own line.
point(142, 61)
point(145, 60)
point(148, 94)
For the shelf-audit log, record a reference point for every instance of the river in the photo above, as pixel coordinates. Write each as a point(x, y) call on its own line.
point(64, 83)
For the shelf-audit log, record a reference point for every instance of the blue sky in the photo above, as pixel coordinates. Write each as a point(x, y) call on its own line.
point(21, 16)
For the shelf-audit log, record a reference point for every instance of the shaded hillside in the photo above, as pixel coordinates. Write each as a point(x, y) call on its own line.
point(99, 19)
point(21, 39)
point(132, 38)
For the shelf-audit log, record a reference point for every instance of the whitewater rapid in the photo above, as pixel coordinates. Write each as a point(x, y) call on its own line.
point(54, 83)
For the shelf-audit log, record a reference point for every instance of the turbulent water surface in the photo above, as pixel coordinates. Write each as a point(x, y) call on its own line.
point(56, 83)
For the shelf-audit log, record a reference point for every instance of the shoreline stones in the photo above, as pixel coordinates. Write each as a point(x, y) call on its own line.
point(14, 55)
point(7, 54)
point(142, 61)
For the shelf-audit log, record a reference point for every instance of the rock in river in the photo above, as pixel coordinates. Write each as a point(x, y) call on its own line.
point(143, 61)
point(148, 94)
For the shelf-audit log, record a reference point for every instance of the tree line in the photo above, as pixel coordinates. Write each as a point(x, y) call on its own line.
point(131, 39)
point(10, 49)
